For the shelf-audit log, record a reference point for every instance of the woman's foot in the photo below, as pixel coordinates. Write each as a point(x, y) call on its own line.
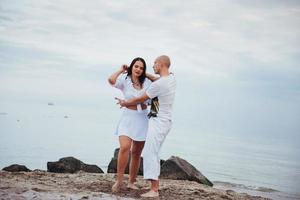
point(116, 187)
point(132, 186)
point(150, 194)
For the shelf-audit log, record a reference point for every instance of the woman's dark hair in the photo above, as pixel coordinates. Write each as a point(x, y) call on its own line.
point(143, 75)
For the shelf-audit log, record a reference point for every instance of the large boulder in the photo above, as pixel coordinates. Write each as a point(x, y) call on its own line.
point(179, 169)
point(112, 166)
point(71, 165)
point(16, 168)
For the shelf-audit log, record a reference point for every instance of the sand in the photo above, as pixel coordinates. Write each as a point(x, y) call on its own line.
point(45, 185)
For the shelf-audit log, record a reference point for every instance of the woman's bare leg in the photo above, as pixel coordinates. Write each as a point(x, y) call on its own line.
point(136, 151)
point(125, 144)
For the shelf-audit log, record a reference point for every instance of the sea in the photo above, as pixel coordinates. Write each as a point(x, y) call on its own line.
point(33, 132)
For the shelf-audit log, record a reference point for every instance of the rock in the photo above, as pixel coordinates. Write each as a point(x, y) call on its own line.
point(116, 152)
point(179, 169)
point(91, 168)
point(112, 166)
point(71, 165)
point(16, 168)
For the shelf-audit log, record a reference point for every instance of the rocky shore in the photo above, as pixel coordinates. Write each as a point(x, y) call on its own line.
point(82, 185)
point(70, 178)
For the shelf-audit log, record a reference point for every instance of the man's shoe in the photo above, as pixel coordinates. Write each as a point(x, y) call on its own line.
point(150, 194)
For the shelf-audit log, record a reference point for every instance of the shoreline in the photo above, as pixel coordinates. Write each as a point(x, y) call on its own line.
point(46, 185)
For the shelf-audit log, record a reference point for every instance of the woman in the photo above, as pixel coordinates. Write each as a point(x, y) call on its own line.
point(133, 125)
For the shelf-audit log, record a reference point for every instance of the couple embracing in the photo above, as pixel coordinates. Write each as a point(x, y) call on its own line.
point(139, 130)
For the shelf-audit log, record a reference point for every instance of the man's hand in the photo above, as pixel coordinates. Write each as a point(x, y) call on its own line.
point(132, 102)
point(121, 102)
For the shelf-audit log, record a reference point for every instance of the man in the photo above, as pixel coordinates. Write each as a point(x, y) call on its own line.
point(162, 93)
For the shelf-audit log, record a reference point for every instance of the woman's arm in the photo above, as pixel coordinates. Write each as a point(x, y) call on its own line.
point(113, 78)
point(152, 77)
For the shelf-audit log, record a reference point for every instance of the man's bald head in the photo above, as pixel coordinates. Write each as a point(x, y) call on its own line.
point(164, 60)
point(161, 65)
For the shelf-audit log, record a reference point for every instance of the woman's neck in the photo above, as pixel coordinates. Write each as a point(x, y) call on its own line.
point(136, 82)
point(134, 79)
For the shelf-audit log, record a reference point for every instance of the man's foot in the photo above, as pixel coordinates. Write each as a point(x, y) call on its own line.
point(150, 194)
point(116, 187)
point(132, 186)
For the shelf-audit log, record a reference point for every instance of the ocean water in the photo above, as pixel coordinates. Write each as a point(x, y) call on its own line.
point(34, 132)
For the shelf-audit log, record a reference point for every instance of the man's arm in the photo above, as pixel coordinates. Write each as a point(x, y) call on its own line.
point(132, 101)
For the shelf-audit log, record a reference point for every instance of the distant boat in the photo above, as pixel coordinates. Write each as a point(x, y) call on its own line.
point(50, 104)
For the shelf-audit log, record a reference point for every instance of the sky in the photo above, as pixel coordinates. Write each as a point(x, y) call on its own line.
point(236, 62)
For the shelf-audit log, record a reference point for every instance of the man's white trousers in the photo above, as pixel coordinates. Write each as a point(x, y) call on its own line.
point(158, 129)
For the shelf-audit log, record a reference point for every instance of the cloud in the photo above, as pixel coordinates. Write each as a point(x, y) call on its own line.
point(221, 41)
point(100, 31)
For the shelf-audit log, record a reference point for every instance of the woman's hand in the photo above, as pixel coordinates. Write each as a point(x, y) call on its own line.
point(113, 78)
point(121, 102)
point(124, 68)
